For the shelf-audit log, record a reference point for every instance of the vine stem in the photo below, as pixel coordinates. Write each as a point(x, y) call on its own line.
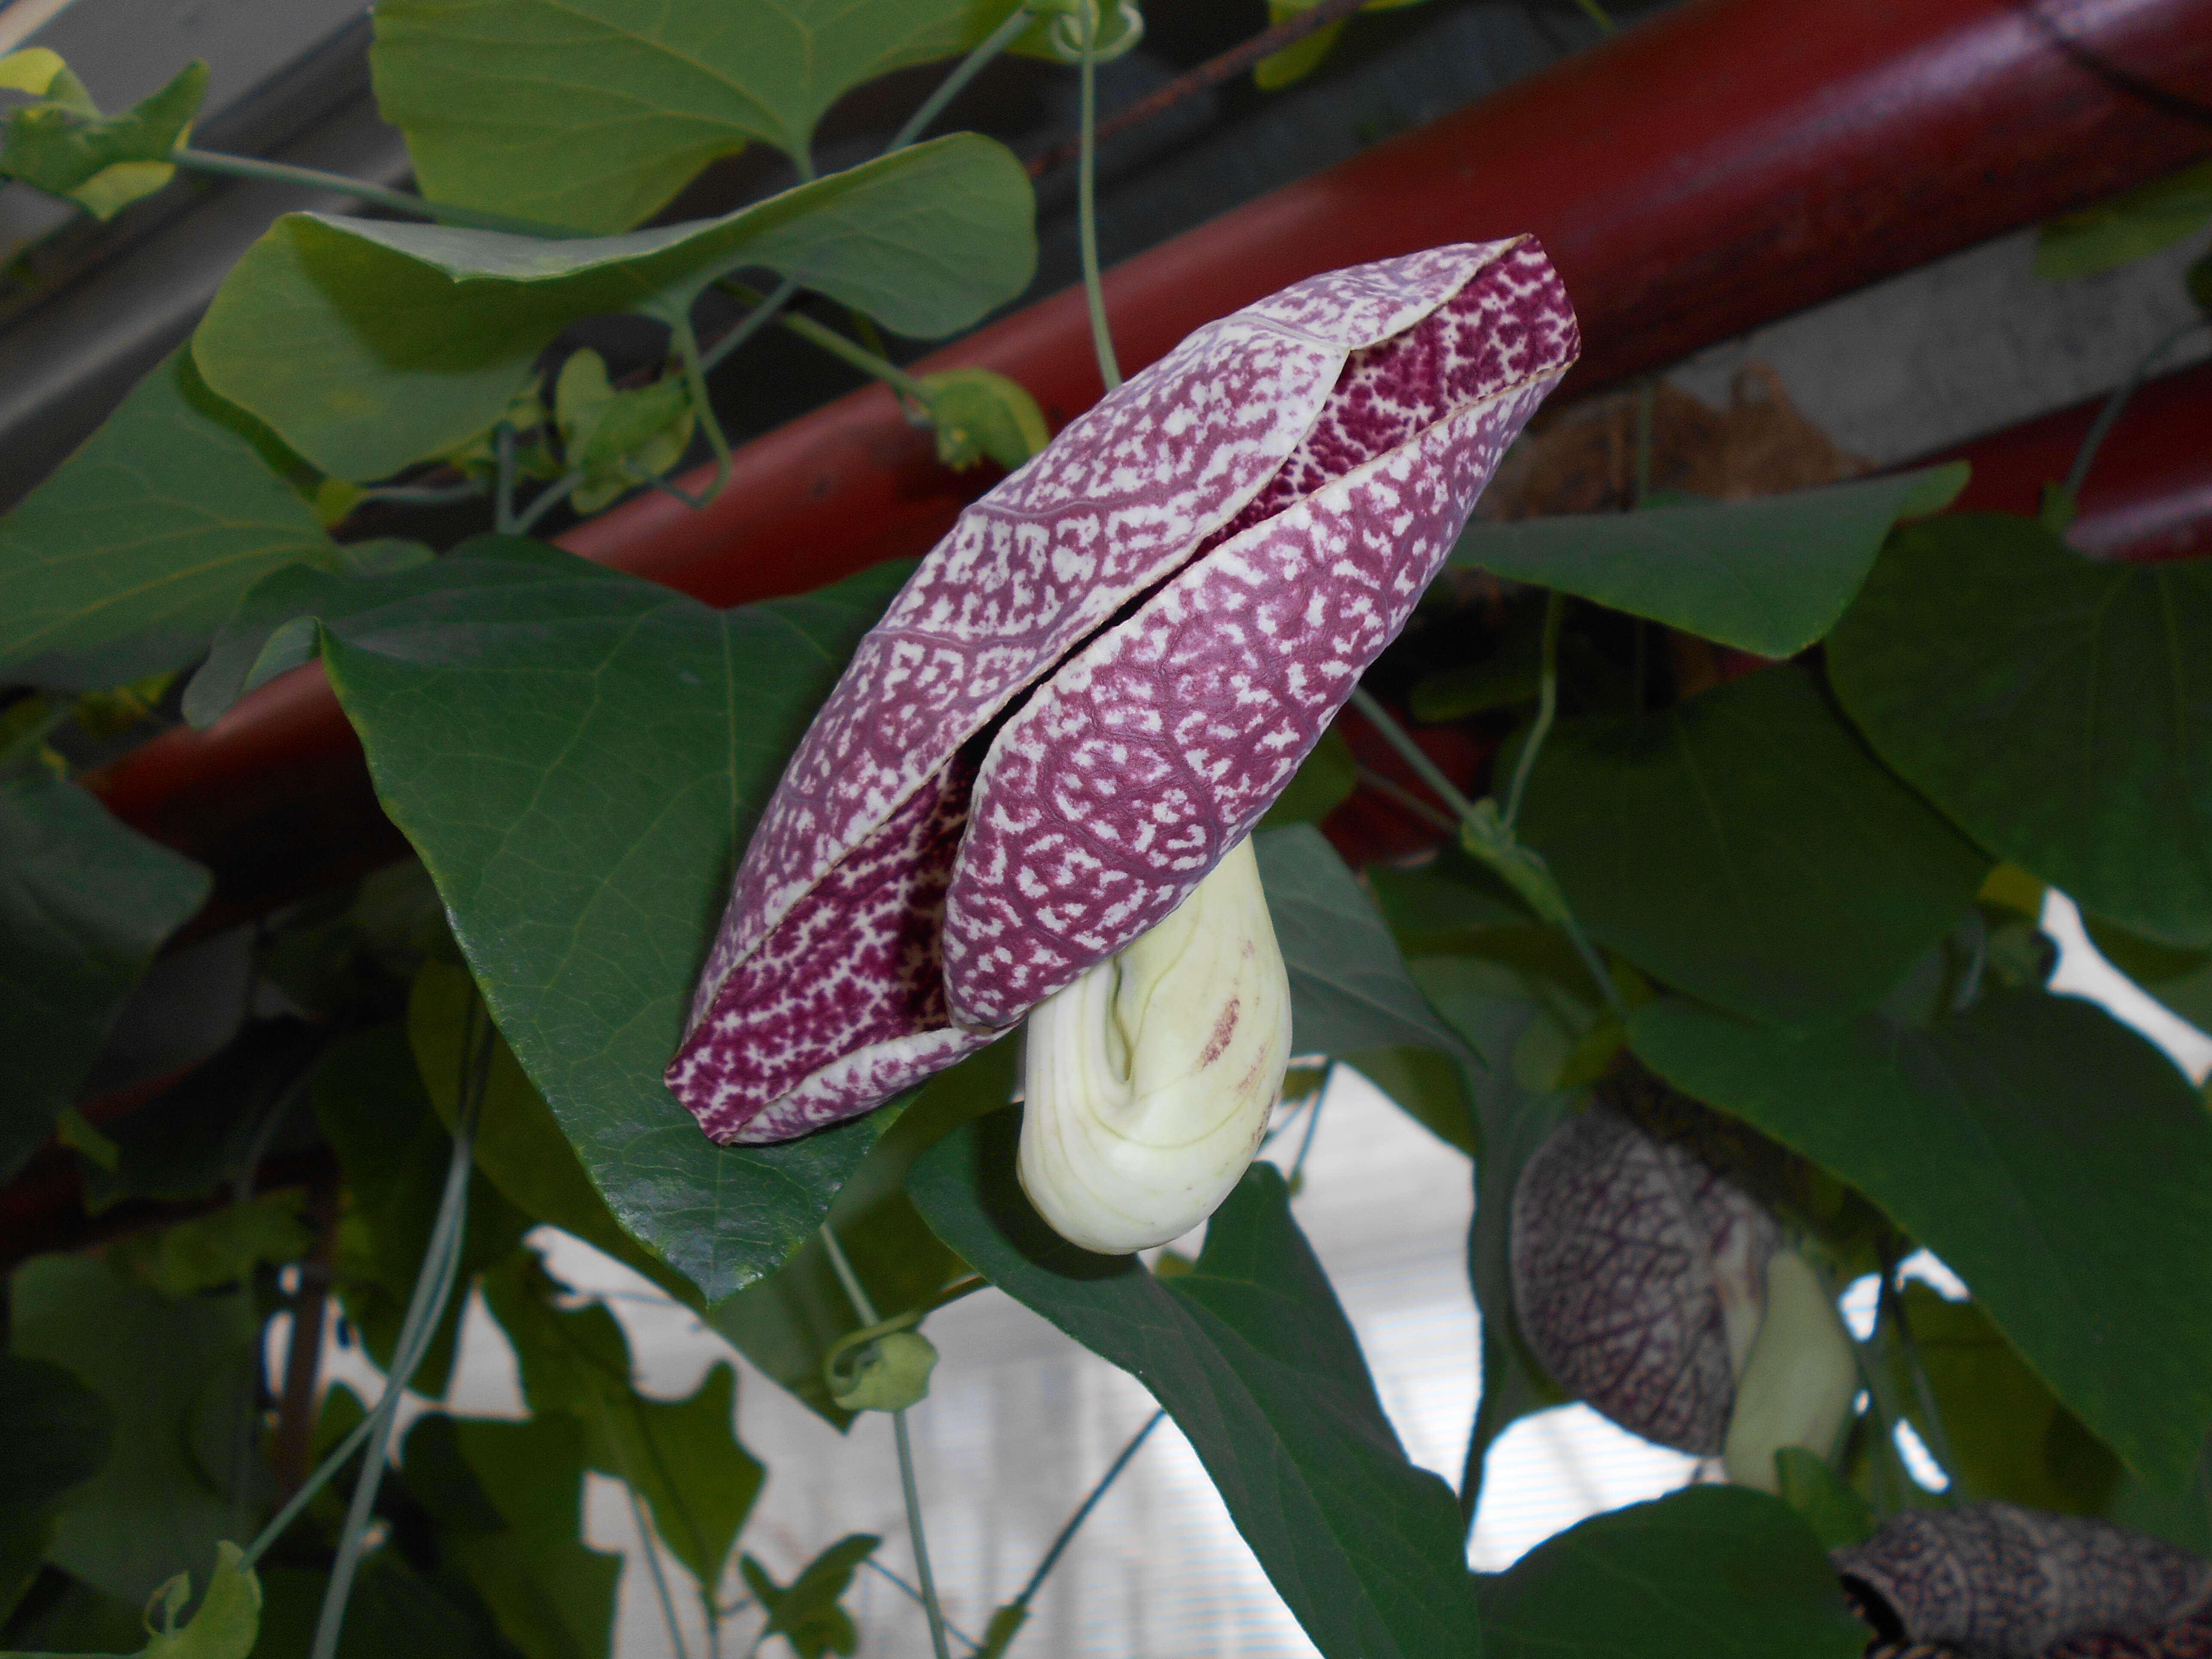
point(1472, 815)
point(1939, 1436)
point(857, 1295)
point(1547, 704)
point(1083, 1511)
point(1598, 14)
point(969, 68)
point(2109, 416)
point(645, 1540)
point(686, 341)
point(765, 307)
point(870, 363)
point(549, 498)
point(434, 1285)
point(1086, 202)
point(1207, 75)
point(1313, 1122)
point(1411, 752)
point(502, 500)
point(416, 207)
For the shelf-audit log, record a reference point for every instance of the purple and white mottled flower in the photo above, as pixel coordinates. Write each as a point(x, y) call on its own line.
point(1996, 1580)
point(1655, 1287)
point(1095, 685)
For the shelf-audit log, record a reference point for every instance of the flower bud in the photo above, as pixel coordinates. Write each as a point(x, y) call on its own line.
point(1149, 1079)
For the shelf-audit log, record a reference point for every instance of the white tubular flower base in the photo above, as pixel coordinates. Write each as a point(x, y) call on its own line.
point(1149, 1079)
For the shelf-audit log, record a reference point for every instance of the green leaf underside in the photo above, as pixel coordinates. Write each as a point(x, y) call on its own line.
point(372, 344)
point(127, 558)
point(1252, 1356)
point(178, 1378)
point(1475, 996)
point(2053, 1159)
point(2059, 710)
point(1713, 1572)
point(594, 112)
point(1743, 846)
point(1349, 987)
point(2009, 1437)
point(579, 756)
point(1769, 576)
point(84, 903)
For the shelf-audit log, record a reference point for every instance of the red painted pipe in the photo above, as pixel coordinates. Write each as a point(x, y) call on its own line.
point(1726, 163)
point(2149, 497)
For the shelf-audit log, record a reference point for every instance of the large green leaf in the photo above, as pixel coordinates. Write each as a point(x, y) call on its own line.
point(1483, 1001)
point(1713, 1572)
point(594, 112)
point(579, 756)
point(519, 1143)
point(2179, 978)
point(1769, 576)
point(1349, 987)
point(508, 1498)
point(84, 903)
point(2057, 1161)
point(786, 1323)
point(177, 1376)
point(1252, 1357)
point(1743, 846)
point(808, 1612)
point(63, 146)
point(2008, 1436)
point(681, 1457)
point(124, 562)
point(58, 1435)
point(2060, 709)
point(370, 343)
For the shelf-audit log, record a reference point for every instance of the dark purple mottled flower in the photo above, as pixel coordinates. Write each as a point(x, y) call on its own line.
point(1996, 1580)
point(1095, 685)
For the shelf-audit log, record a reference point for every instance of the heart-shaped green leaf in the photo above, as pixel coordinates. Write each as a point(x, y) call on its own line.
point(177, 1375)
point(125, 560)
point(2054, 1159)
point(2059, 710)
point(371, 344)
point(579, 756)
point(594, 112)
point(1744, 846)
point(1715, 1572)
point(1769, 576)
point(103, 163)
point(1252, 1357)
point(1349, 987)
point(84, 903)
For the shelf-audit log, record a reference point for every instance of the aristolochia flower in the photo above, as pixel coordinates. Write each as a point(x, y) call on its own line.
point(2001, 1581)
point(1654, 1288)
point(1105, 673)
